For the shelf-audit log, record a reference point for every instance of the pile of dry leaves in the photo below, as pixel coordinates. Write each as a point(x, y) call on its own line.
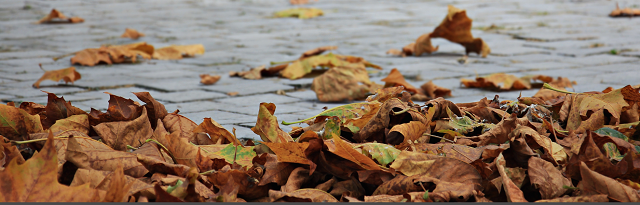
point(573, 147)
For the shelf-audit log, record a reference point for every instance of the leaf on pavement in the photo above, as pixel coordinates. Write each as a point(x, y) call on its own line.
point(132, 34)
point(36, 180)
point(625, 12)
point(57, 17)
point(342, 83)
point(395, 79)
point(113, 54)
point(67, 74)
point(547, 178)
point(78, 123)
point(174, 122)
point(207, 79)
point(500, 81)
point(433, 91)
point(177, 52)
point(301, 13)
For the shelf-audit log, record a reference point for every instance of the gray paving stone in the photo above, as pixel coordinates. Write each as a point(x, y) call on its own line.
point(544, 65)
point(170, 85)
point(186, 96)
point(195, 106)
point(255, 100)
point(220, 117)
point(600, 60)
point(247, 87)
point(33, 92)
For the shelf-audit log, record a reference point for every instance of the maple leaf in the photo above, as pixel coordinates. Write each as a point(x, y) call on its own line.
point(395, 79)
point(501, 81)
point(57, 17)
point(131, 33)
point(207, 79)
point(113, 54)
point(16, 124)
point(36, 180)
point(67, 74)
point(301, 13)
point(353, 84)
point(267, 125)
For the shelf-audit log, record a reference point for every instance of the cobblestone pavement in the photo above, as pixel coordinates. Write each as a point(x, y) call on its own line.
point(572, 39)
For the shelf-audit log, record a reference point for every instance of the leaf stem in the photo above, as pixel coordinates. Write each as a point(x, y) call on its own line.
point(281, 62)
point(35, 140)
point(62, 56)
point(209, 172)
point(425, 134)
point(547, 86)
point(402, 111)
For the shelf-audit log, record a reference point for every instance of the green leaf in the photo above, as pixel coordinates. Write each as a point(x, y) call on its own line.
point(242, 156)
point(383, 153)
point(344, 112)
point(612, 151)
point(171, 188)
point(611, 132)
point(425, 196)
point(332, 127)
point(301, 13)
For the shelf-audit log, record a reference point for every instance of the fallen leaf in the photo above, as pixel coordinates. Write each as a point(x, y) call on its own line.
point(291, 152)
point(396, 79)
point(177, 52)
point(346, 151)
point(547, 178)
point(67, 74)
point(276, 171)
point(624, 12)
point(88, 154)
point(36, 180)
point(113, 54)
point(182, 151)
point(384, 154)
point(514, 194)
point(57, 17)
point(253, 74)
point(456, 27)
point(406, 131)
point(433, 91)
point(16, 124)
point(301, 13)
point(120, 134)
point(78, 123)
point(301, 67)
point(500, 81)
point(318, 51)
point(588, 198)
point(301, 195)
point(174, 122)
point(131, 33)
point(353, 84)
point(57, 108)
point(233, 93)
point(267, 125)
point(241, 155)
point(596, 183)
point(216, 132)
point(423, 45)
point(155, 110)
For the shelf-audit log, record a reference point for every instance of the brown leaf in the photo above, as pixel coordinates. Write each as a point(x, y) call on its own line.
point(588, 152)
point(158, 166)
point(163, 196)
point(100, 157)
point(16, 124)
point(32, 108)
point(423, 45)
point(396, 52)
point(57, 17)
point(67, 74)
point(275, 171)
point(500, 81)
point(317, 51)
point(102, 180)
point(399, 185)
point(587, 112)
point(248, 186)
point(177, 123)
point(36, 180)
point(301, 195)
point(434, 91)
point(217, 132)
point(588, 198)
point(406, 131)
point(253, 74)
point(351, 187)
point(131, 33)
point(547, 178)
point(9, 152)
point(298, 177)
point(514, 194)
point(291, 152)
point(456, 27)
point(177, 52)
point(78, 123)
point(267, 125)
point(118, 188)
point(596, 183)
point(624, 12)
point(155, 109)
point(342, 83)
point(183, 151)
point(207, 79)
point(120, 134)
point(395, 79)
point(57, 108)
point(500, 133)
point(113, 54)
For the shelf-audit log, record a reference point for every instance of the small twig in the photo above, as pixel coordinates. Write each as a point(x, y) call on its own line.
point(40, 64)
point(163, 147)
point(130, 147)
point(209, 172)
point(402, 111)
point(425, 134)
point(36, 140)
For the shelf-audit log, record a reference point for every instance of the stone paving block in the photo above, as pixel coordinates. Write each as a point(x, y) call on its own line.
point(186, 96)
point(6, 98)
point(243, 132)
point(612, 68)
point(600, 60)
point(195, 106)
point(220, 117)
point(109, 81)
point(170, 85)
point(620, 78)
point(255, 100)
point(247, 87)
point(307, 94)
point(34, 92)
point(544, 65)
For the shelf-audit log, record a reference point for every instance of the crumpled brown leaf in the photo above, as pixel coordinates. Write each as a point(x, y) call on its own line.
point(57, 17)
point(177, 52)
point(120, 134)
point(67, 74)
point(596, 183)
point(131, 33)
point(113, 54)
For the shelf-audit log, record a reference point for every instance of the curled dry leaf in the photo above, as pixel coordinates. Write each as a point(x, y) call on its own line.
point(625, 12)
point(16, 123)
point(433, 91)
point(66, 74)
point(113, 54)
point(120, 134)
point(37, 180)
point(267, 125)
point(88, 154)
point(500, 81)
point(395, 79)
point(301, 13)
point(318, 51)
point(216, 132)
point(596, 183)
point(177, 52)
point(57, 17)
point(207, 79)
point(253, 74)
point(131, 33)
point(547, 178)
point(353, 84)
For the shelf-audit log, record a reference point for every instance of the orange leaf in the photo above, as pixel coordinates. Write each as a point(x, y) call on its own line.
point(67, 74)
point(396, 79)
point(176, 52)
point(120, 134)
point(131, 33)
point(57, 17)
point(502, 81)
point(216, 131)
point(456, 27)
point(209, 79)
point(292, 152)
point(346, 151)
point(37, 180)
point(267, 125)
point(423, 45)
